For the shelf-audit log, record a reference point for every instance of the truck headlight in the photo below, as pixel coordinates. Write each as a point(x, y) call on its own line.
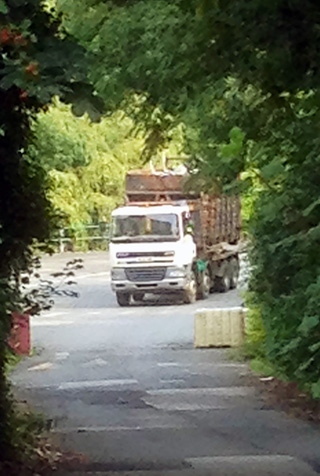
point(176, 273)
point(118, 274)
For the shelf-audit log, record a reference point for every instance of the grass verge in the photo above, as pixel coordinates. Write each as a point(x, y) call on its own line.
point(276, 390)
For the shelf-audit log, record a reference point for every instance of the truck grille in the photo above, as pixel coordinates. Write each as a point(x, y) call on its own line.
point(145, 274)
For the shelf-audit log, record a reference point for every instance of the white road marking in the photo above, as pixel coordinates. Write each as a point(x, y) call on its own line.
point(194, 399)
point(169, 364)
point(33, 386)
point(217, 391)
point(247, 465)
point(88, 384)
point(62, 355)
point(186, 407)
point(44, 366)
point(52, 323)
point(104, 429)
point(206, 365)
point(51, 314)
point(95, 363)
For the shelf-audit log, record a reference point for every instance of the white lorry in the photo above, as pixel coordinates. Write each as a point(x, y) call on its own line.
point(168, 241)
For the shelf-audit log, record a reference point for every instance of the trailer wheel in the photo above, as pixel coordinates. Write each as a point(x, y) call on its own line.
point(123, 299)
point(190, 293)
point(205, 285)
point(235, 273)
point(223, 283)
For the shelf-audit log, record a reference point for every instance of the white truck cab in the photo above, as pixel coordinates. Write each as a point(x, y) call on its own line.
point(172, 239)
point(151, 252)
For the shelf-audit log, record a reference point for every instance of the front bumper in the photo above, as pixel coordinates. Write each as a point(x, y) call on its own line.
point(164, 286)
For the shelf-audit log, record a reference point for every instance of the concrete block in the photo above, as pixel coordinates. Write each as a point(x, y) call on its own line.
point(219, 327)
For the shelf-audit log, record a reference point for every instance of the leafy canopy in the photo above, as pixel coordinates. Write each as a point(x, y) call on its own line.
point(243, 79)
point(38, 60)
point(86, 162)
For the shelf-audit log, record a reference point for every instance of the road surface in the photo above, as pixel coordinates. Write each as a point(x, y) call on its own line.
point(126, 387)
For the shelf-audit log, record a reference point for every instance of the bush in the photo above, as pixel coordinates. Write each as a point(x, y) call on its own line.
point(285, 281)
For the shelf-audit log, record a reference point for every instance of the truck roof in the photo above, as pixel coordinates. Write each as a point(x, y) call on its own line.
point(149, 209)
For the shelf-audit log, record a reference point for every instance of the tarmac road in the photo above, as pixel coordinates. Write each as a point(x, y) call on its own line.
point(126, 387)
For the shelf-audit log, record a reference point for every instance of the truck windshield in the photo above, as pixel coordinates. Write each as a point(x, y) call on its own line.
point(137, 228)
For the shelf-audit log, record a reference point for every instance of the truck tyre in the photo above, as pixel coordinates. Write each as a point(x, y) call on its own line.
point(235, 273)
point(138, 296)
point(205, 285)
point(190, 293)
point(123, 299)
point(223, 283)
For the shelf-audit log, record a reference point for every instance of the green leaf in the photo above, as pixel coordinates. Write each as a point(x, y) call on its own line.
point(315, 347)
point(315, 390)
point(237, 135)
point(3, 7)
point(305, 365)
point(311, 207)
point(272, 170)
point(314, 233)
point(308, 323)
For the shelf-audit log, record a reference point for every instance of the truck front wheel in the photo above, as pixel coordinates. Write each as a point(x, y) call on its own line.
point(190, 293)
point(205, 285)
point(138, 296)
point(123, 299)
